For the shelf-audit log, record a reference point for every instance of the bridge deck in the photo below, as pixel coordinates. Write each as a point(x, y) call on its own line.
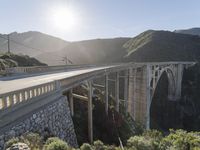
point(21, 83)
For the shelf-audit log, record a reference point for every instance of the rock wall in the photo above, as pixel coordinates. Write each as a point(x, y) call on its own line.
point(54, 119)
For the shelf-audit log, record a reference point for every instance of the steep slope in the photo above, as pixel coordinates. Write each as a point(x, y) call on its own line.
point(90, 51)
point(192, 31)
point(148, 46)
point(12, 60)
point(31, 43)
point(51, 50)
point(163, 46)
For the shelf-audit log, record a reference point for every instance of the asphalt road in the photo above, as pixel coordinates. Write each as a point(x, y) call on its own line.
point(11, 84)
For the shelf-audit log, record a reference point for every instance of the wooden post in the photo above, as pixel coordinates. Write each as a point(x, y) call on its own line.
point(117, 92)
point(71, 102)
point(90, 119)
point(106, 94)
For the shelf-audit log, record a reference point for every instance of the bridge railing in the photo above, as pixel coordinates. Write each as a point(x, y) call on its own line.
point(41, 69)
point(7, 100)
point(38, 69)
point(10, 99)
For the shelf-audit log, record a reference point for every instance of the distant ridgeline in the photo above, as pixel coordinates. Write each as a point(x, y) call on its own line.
point(149, 46)
point(8, 60)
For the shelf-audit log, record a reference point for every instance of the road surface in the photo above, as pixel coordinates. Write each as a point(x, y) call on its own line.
point(21, 83)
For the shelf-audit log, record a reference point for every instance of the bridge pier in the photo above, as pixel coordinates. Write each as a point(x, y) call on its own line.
point(71, 102)
point(106, 93)
point(180, 69)
point(117, 92)
point(148, 95)
point(126, 89)
point(90, 113)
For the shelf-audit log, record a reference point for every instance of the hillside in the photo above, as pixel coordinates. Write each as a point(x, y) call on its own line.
point(148, 46)
point(51, 50)
point(12, 60)
point(31, 43)
point(192, 31)
point(90, 51)
point(163, 46)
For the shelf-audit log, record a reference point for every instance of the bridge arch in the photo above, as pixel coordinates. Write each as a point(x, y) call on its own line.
point(171, 81)
point(164, 113)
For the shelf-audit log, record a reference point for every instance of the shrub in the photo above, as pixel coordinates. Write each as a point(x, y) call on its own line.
point(154, 137)
point(11, 142)
point(54, 143)
point(139, 143)
point(181, 140)
point(86, 146)
point(98, 145)
point(51, 139)
point(33, 140)
point(57, 145)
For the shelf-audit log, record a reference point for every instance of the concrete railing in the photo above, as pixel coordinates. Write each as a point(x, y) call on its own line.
point(7, 100)
point(39, 69)
point(10, 99)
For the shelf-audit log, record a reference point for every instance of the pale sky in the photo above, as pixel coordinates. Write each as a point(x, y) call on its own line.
point(90, 19)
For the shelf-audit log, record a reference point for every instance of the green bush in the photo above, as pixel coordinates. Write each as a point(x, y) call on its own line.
point(33, 140)
point(51, 139)
point(86, 146)
point(154, 137)
point(55, 143)
point(11, 142)
point(139, 143)
point(98, 145)
point(181, 140)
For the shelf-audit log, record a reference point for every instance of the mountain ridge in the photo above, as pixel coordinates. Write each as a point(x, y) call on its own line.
point(191, 31)
point(150, 45)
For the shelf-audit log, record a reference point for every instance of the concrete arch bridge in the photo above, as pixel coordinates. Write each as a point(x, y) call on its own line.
point(33, 89)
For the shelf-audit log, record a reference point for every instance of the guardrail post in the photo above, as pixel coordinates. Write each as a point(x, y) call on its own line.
point(90, 118)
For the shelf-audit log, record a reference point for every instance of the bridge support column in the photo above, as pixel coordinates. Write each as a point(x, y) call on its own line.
point(117, 92)
point(148, 95)
point(179, 81)
point(132, 92)
point(90, 118)
point(126, 90)
point(71, 101)
point(106, 94)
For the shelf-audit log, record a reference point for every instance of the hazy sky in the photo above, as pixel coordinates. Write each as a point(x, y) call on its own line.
point(98, 18)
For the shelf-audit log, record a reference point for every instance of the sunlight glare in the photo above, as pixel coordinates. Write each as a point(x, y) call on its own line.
point(64, 18)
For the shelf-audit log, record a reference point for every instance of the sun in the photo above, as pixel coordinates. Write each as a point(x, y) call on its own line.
point(64, 18)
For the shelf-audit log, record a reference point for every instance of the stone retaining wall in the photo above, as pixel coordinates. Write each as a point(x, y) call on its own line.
point(54, 119)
